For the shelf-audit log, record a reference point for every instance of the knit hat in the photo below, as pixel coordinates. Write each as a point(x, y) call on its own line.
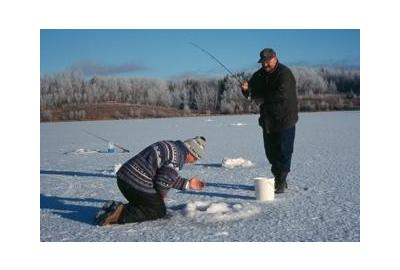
point(196, 146)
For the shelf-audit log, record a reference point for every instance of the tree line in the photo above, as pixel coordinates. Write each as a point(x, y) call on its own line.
point(315, 86)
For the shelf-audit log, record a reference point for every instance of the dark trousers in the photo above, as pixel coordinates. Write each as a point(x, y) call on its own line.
point(279, 148)
point(141, 206)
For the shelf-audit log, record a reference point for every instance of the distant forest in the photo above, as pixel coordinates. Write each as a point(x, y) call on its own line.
point(70, 96)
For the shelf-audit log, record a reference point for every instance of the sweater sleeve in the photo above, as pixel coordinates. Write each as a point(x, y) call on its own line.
point(257, 86)
point(167, 177)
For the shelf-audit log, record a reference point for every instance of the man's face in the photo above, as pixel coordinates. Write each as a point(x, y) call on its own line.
point(190, 158)
point(269, 64)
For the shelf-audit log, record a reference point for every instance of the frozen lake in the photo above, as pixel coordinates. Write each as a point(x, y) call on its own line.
point(321, 204)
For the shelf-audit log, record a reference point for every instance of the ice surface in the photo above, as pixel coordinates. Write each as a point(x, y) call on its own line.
point(321, 204)
point(82, 151)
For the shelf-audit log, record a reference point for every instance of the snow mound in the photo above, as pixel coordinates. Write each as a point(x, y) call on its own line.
point(239, 124)
point(231, 163)
point(224, 233)
point(205, 211)
point(117, 167)
point(112, 171)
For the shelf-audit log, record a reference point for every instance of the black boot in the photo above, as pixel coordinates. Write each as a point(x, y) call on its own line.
point(280, 182)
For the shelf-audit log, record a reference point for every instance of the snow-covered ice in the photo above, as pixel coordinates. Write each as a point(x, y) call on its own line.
point(321, 204)
point(231, 163)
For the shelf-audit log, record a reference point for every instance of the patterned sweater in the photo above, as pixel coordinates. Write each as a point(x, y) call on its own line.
point(156, 168)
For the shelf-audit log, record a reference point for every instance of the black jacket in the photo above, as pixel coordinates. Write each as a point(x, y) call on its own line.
point(277, 91)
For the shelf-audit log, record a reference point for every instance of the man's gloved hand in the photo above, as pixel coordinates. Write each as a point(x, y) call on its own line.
point(196, 184)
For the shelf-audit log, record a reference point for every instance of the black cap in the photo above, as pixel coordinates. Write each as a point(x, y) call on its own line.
point(266, 54)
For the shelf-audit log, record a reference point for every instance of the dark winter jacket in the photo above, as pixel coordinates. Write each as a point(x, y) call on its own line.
point(156, 168)
point(277, 91)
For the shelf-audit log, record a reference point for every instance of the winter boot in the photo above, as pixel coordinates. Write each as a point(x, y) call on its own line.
point(111, 215)
point(109, 205)
point(280, 183)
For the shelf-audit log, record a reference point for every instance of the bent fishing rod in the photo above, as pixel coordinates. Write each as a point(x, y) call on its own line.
point(216, 60)
point(103, 139)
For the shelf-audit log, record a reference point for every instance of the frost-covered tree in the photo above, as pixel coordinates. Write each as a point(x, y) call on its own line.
point(200, 95)
point(309, 82)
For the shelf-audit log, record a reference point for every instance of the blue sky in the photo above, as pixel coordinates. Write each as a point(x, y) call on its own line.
point(167, 54)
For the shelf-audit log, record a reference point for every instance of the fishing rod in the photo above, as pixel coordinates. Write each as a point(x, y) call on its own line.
point(216, 60)
point(103, 139)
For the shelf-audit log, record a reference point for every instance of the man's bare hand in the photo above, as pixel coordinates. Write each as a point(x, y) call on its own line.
point(245, 86)
point(196, 184)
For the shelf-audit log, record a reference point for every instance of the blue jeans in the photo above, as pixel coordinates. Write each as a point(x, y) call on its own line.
point(279, 148)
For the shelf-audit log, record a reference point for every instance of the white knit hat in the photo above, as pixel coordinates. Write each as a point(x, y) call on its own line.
point(196, 146)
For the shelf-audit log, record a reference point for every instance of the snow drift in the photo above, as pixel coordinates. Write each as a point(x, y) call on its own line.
point(231, 163)
point(205, 211)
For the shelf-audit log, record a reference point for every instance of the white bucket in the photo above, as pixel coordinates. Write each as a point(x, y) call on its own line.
point(265, 188)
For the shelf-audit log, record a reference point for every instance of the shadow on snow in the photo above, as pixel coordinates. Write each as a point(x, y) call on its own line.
point(72, 173)
point(70, 208)
point(230, 186)
point(211, 165)
point(221, 195)
point(224, 195)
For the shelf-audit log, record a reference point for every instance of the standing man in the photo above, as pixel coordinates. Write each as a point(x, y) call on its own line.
point(273, 86)
point(145, 179)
